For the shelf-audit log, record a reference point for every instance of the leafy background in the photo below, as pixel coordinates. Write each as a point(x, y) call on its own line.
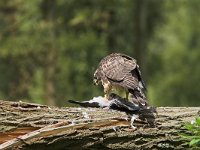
point(49, 49)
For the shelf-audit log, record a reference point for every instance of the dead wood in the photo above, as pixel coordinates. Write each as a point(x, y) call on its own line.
point(34, 126)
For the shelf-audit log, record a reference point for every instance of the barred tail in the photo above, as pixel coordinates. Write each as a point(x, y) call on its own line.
point(138, 97)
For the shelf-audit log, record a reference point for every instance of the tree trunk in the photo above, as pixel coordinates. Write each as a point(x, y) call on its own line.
point(49, 78)
point(50, 60)
point(34, 126)
point(140, 28)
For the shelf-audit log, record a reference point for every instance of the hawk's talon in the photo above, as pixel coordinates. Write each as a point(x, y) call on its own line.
point(106, 97)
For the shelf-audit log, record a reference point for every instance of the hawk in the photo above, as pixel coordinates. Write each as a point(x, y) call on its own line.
point(121, 71)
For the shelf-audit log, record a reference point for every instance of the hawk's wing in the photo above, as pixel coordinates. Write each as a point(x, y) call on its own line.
point(117, 66)
point(130, 82)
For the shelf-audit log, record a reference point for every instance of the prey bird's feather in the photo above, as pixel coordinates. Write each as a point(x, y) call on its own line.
point(118, 103)
point(115, 102)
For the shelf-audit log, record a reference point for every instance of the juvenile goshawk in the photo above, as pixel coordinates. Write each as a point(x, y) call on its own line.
point(121, 71)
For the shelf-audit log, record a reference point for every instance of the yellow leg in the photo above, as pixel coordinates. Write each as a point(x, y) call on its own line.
point(106, 96)
point(107, 88)
point(127, 93)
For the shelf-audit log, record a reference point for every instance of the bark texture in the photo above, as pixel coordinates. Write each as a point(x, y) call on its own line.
point(33, 126)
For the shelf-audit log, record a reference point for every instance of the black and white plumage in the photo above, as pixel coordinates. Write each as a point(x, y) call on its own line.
point(121, 71)
point(96, 102)
point(115, 102)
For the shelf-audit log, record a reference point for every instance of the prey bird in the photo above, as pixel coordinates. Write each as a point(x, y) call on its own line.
point(120, 71)
point(118, 103)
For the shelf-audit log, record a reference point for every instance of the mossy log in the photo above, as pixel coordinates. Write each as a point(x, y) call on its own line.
point(33, 126)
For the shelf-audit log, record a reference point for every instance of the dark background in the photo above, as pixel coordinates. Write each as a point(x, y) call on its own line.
point(49, 49)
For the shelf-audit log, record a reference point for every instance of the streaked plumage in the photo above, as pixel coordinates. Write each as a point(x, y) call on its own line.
point(120, 70)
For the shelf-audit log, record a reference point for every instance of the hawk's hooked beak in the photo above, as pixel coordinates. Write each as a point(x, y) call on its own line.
point(96, 80)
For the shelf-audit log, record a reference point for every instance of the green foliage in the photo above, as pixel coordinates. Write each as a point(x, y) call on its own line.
point(176, 50)
point(194, 133)
point(50, 49)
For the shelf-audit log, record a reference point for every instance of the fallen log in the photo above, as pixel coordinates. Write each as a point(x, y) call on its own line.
point(34, 126)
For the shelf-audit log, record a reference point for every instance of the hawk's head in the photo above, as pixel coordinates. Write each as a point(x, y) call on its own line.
point(96, 78)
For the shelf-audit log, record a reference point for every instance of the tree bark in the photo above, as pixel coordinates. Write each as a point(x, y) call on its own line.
point(33, 126)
